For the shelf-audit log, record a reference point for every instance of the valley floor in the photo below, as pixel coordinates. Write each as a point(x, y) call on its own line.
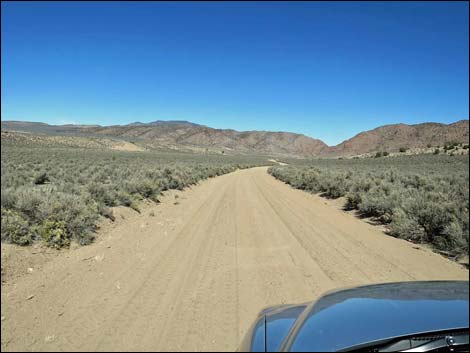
point(194, 275)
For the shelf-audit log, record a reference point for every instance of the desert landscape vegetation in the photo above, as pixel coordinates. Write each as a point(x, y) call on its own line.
point(189, 175)
point(127, 226)
point(56, 184)
point(55, 194)
point(422, 198)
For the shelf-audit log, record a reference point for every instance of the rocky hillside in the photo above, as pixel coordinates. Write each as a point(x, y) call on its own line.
point(184, 135)
point(188, 136)
point(391, 138)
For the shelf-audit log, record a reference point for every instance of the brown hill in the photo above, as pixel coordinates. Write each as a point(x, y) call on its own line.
point(196, 137)
point(183, 135)
point(391, 138)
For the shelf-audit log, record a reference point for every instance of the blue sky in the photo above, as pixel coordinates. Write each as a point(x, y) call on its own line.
point(328, 70)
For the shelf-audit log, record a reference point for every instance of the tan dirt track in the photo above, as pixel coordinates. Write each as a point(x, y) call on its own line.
point(194, 276)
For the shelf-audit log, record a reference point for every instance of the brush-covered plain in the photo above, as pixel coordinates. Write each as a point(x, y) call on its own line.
point(422, 198)
point(57, 194)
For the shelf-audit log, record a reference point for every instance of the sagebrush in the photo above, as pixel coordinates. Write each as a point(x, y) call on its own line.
point(56, 195)
point(421, 198)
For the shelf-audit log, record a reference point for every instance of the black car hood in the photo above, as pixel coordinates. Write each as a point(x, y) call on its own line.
point(350, 317)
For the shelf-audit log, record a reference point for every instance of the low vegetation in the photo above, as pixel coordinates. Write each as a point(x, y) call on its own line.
point(56, 195)
point(423, 198)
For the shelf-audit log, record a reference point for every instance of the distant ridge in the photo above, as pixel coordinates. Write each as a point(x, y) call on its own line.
point(392, 137)
point(180, 134)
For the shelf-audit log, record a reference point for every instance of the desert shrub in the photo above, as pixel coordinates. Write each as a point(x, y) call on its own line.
point(40, 179)
point(176, 182)
point(28, 201)
point(432, 213)
point(125, 198)
point(380, 202)
point(80, 186)
point(354, 196)
point(334, 187)
point(450, 146)
point(353, 199)
point(78, 214)
point(54, 233)
point(404, 227)
point(105, 194)
point(403, 149)
point(15, 228)
point(8, 198)
point(146, 189)
point(420, 198)
point(106, 212)
point(454, 237)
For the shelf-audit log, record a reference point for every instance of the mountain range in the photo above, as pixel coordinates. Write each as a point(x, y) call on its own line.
point(184, 135)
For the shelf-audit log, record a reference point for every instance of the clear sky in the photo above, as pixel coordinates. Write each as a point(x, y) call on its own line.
point(328, 70)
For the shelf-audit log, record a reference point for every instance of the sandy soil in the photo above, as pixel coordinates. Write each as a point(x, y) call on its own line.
point(126, 146)
point(193, 272)
point(274, 161)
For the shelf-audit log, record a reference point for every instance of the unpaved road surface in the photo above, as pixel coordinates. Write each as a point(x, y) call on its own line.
point(194, 276)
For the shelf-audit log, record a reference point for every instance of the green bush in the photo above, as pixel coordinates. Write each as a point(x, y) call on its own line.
point(78, 214)
point(54, 233)
point(15, 228)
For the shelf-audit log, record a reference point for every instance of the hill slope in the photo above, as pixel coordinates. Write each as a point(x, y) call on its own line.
point(189, 136)
point(391, 137)
point(184, 135)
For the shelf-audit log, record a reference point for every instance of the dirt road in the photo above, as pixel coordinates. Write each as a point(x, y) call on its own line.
point(195, 275)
